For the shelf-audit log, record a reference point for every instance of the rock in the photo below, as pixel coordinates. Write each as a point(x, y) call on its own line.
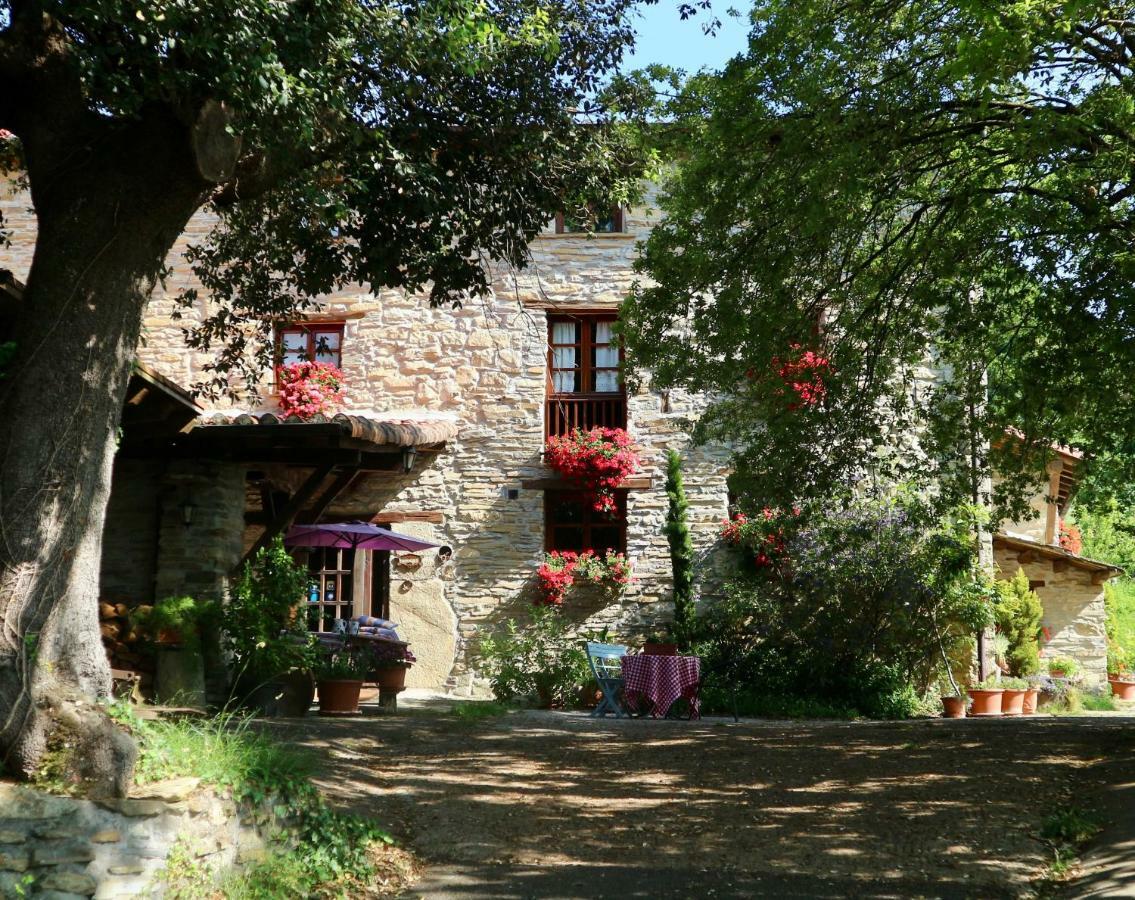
point(172, 790)
point(55, 831)
point(73, 882)
point(59, 852)
point(127, 869)
point(12, 836)
point(114, 888)
point(106, 836)
point(15, 859)
point(134, 808)
point(59, 895)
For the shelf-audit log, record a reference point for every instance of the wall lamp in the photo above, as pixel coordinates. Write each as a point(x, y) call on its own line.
point(409, 457)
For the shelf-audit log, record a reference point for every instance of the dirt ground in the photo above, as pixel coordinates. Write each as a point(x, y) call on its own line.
point(556, 805)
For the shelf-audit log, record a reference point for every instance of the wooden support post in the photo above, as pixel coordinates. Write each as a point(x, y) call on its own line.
point(340, 484)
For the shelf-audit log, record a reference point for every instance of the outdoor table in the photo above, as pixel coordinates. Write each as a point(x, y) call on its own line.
point(662, 680)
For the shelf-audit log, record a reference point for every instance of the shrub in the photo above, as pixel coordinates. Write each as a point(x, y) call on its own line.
point(1018, 614)
point(859, 614)
point(182, 617)
point(263, 631)
point(541, 661)
point(1120, 601)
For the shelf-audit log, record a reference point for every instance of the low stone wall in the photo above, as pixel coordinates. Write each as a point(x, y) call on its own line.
point(62, 848)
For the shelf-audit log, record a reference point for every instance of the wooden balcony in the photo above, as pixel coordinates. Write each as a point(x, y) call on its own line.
point(566, 412)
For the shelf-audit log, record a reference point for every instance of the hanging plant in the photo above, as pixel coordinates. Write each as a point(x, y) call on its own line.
point(562, 569)
point(597, 460)
point(309, 388)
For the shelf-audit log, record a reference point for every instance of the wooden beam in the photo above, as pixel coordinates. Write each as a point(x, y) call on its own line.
point(395, 517)
point(1026, 556)
point(1059, 565)
point(1101, 577)
point(340, 484)
point(288, 514)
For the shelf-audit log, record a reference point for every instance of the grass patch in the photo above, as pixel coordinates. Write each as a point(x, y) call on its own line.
point(1099, 702)
point(476, 710)
point(1066, 831)
point(223, 751)
point(319, 851)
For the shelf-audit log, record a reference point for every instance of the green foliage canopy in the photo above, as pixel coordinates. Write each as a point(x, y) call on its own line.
point(395, 144)
point(939, 181)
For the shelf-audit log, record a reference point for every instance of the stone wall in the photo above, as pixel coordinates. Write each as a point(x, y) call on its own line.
point(484, 365)
point(130, 546)
point(61, 848)
point(1074, 612)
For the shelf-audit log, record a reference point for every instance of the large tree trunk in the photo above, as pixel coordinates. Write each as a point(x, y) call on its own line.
point(109, 207)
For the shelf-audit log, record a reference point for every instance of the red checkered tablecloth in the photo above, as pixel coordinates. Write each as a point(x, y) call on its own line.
point(662, 680)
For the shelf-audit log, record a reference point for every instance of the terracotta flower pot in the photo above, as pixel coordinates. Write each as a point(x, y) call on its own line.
point(1030, 701)
point(339, 698)
point(653, 648)
point(1013, 702)
point(953, 707)
point(286, 695)
point(1122, 689)
point(985, 702)
point(391, 678)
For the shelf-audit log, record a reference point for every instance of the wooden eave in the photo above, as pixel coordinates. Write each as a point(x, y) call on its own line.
point(1058, 555)
point(155, 411)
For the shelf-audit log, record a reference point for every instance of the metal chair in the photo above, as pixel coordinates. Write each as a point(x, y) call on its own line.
point(606, 661)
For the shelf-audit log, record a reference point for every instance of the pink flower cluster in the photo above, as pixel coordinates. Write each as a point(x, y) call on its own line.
point(309, 388)
point(598, 460)
point(560, 570)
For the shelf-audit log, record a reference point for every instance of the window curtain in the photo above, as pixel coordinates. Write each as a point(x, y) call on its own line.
point(605, 355)
point(565, 365)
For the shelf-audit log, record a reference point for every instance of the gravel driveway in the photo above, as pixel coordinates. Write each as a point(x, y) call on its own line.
point(556, 805)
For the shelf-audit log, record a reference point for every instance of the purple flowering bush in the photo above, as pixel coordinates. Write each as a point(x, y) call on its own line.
point(854, 620)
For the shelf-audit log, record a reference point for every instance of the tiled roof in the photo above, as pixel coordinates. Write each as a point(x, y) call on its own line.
point(1051, 551)
point(396, 429)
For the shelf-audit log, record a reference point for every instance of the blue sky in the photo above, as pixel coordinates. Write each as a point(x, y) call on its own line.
point(664, 38)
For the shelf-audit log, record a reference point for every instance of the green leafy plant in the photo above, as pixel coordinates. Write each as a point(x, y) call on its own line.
point(677, 531)
point(1063, 667)
point(262, 629)
point(179, 620)
point(1018, 614)
point(992, 683)
point(1098, 701)
point(1014, 684)
point(342, 665)
point(540, 660)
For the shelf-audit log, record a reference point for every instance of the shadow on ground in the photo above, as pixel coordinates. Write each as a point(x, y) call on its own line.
point(557, 805)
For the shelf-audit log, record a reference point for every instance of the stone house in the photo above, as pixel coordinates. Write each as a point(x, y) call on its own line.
point(440, 435)
point(1070, 586)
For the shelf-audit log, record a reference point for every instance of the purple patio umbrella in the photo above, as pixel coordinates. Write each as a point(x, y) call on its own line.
point(352, 536)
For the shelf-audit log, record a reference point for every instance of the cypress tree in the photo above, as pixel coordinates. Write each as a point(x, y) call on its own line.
point(681, 549)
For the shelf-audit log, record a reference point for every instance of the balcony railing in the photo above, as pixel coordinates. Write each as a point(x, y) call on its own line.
point(569, 411)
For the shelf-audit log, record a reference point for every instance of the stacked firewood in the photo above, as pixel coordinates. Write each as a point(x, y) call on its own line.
point(121, 637)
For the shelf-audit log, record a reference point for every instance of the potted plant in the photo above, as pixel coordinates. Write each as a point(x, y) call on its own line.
point(339, 678)
point(1063, 667)
point(271, 649)
point(986, 697)
point(1119, 675)
point(389, 662)
point(661, 643)
point(176, 626)
point(1032, 692)
point(1013, 692)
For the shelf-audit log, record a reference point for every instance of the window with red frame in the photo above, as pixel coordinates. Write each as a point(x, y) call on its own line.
point(314, 342)
point(583, 357)
point(570, 523)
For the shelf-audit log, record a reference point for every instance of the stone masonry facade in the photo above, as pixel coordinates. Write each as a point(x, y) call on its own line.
point(484, 367)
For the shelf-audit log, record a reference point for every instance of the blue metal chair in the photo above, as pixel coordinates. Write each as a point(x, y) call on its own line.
point(606, 661)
